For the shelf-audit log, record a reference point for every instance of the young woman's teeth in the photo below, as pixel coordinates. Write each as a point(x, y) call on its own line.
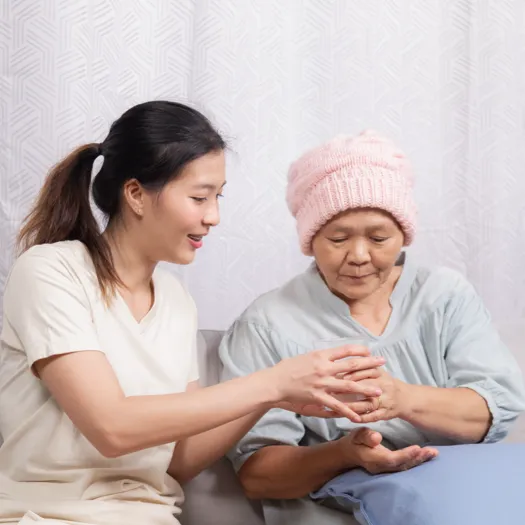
point(195, 238)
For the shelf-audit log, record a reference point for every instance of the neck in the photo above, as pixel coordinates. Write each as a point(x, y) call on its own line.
point(133, 268)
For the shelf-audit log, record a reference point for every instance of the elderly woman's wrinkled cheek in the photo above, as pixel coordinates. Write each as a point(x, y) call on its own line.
point(329, 260)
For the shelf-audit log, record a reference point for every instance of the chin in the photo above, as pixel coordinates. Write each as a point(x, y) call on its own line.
point(186, 260)
point(357, 294)
point(182, 259)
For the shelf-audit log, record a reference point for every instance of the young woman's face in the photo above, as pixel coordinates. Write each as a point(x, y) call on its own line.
point(357, 251)
point(176, 221)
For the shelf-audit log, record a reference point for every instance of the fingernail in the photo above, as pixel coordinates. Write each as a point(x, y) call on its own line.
point(372, 392)
point(380, 359)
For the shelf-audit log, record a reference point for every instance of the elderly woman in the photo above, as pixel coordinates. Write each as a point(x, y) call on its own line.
point(448, 377)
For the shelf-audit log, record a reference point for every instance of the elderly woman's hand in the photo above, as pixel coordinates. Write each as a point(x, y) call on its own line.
point(389, 405)
point(363, 448)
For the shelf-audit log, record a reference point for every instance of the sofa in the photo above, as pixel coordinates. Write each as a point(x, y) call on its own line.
point(215, 497)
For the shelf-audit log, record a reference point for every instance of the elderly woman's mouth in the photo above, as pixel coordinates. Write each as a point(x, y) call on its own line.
point(356, 277)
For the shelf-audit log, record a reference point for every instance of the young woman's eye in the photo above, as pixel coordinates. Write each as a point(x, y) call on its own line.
point(200, 199)
point(338, 241)
point(219, 196)
point(379, 239)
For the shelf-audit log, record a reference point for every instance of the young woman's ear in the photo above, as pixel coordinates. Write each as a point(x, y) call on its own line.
point(133, 196)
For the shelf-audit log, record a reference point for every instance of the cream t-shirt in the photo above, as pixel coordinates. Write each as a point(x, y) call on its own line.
point(48, 470)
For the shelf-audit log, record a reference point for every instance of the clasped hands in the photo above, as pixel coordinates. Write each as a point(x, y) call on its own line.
point(351, 384)
point(391, 403)
point(348, 382)
point(363, 446)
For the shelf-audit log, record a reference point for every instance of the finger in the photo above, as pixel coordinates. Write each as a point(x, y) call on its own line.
point(367, 437)
point(333, 354)
point(373, 417)
point(409, 465)
point(422, 457)
point(348, 366)
point(325, 414)
point(318, 411)
point(430, 453)
point(419, 459)
point(399, 459)
point(365, 407)
point(426, 454)
point(350, 398)
point(309, 410)
point(369, 373)
point(350, 387)
point(337, 406)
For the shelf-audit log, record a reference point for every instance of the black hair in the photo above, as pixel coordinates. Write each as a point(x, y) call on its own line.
point(151, 142)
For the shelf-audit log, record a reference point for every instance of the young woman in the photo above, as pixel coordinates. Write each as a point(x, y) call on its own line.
point(98, 375)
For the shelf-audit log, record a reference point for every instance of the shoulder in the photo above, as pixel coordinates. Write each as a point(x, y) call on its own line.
point(274, 309)
point(271, 328)
point(440, 286)
point(50, 283)
point(56, 264)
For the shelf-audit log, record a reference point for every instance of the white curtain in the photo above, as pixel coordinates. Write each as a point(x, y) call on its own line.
point(445, 78)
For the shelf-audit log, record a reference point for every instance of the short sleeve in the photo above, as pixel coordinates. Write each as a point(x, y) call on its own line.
point(476, 358)
point(46, 307)
point(245, 349)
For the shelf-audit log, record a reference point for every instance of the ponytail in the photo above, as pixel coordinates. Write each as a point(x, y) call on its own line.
point(62, 212)
point(151, 143)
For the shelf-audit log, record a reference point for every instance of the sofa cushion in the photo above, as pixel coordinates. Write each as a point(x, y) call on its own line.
point(215, 497)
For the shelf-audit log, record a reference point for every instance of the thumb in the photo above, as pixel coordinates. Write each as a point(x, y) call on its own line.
point(367, 437)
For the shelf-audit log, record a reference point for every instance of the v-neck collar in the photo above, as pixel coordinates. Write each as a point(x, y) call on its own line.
point(341, 309)
point(120, 305)
point(146, 320)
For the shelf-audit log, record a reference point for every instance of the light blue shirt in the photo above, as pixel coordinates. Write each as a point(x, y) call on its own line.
point(439, 334)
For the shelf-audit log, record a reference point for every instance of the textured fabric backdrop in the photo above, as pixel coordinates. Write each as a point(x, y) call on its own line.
point(445, 78)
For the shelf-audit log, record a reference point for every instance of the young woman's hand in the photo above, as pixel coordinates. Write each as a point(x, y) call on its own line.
point(309, 384)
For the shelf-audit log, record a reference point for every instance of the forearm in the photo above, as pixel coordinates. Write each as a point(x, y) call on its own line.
point(196, 453)
point(457, 413)
point(289, 472)
point(147, 421)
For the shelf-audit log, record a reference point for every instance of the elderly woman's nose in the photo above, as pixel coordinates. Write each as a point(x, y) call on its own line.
point(358, 253)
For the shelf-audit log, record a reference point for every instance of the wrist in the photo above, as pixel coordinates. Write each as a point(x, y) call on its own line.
point(348, 451)
point(270, 393)
point(407, 400)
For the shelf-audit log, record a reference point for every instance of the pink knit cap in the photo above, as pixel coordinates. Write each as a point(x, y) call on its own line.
point(367, 171)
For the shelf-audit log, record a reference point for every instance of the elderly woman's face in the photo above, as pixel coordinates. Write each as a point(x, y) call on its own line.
point(356, 252)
